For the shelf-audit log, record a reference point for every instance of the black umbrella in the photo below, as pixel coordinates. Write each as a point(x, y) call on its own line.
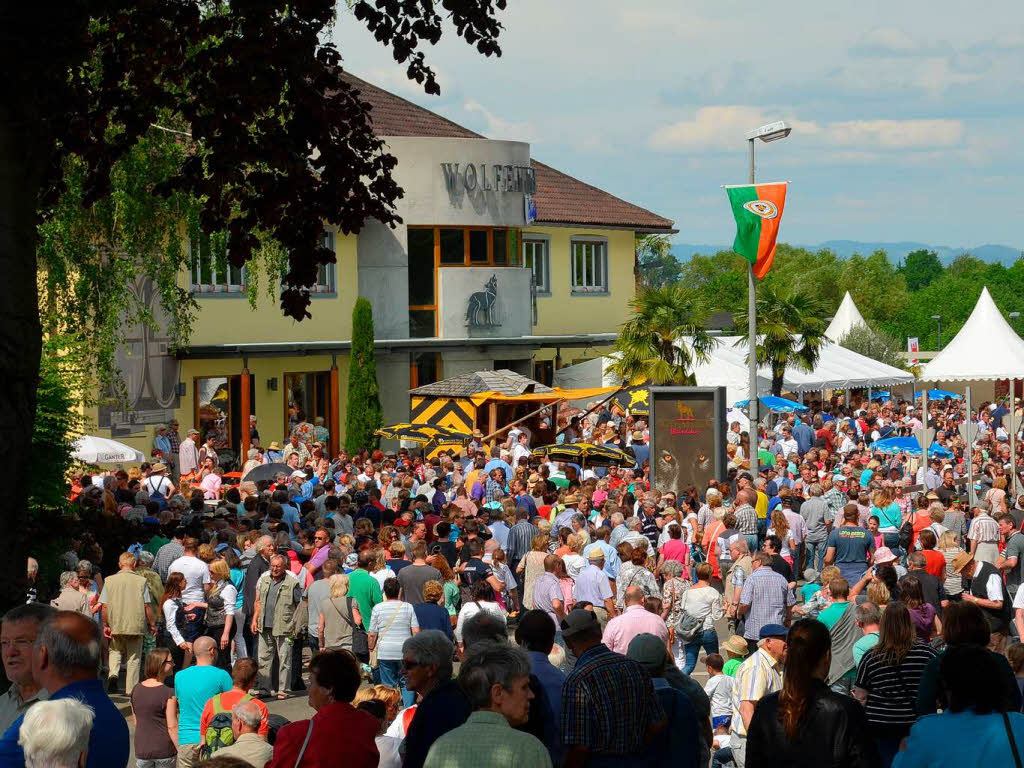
point(267, 472)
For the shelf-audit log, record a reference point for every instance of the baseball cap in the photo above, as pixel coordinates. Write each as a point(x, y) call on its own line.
point(773, 630)
point(579, 620)
point(299, 473)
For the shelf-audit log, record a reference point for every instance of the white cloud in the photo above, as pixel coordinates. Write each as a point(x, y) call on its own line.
point(722, 127)
point(895, 134)
point(891, 41)
point(497, 127)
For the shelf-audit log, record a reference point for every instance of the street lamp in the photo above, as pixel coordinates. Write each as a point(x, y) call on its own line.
point(938, 331)
point(780, 129)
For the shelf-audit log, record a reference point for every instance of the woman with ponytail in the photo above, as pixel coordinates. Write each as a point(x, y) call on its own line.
point(807, 724)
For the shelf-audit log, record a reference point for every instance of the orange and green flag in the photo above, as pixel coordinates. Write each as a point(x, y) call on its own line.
point(757, 209)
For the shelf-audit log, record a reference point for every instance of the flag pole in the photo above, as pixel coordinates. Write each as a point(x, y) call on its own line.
point(752, 394)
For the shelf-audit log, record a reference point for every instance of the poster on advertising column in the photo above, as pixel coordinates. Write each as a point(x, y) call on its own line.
point(687, 437)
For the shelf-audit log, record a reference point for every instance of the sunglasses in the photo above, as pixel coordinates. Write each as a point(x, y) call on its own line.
point(406, 664)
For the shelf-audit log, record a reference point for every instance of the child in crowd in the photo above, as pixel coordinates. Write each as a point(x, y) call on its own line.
point(719, 690)
point(735, 650)
point(820, 598)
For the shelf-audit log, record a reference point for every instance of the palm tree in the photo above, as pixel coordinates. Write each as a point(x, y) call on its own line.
point(790, 328)
point(660, 343)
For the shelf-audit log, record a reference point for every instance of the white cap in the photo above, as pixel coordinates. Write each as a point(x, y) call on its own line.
point(299, 473)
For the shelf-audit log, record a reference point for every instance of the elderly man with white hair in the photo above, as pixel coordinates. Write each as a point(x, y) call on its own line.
point(249, 745)
point(55, 734)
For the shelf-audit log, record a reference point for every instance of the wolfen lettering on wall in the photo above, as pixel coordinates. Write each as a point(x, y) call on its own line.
point(470, 177)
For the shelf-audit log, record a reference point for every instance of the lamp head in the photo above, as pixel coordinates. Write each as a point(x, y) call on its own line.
point(780, 129)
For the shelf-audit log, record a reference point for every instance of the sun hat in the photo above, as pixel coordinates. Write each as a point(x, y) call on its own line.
point(735, 646)
point(595, 554)
point(274, 446)
point(883, 555)
point(961, 561)
point(158, 467)
point(572, 498)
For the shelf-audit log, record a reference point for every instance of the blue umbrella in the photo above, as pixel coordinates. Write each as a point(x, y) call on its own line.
point(772, 403)
point(910, 446)
point(939, 394)
point(883, 396)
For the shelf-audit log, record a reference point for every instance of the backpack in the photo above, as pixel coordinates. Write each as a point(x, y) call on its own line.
point(179, 615)
point(218, 732)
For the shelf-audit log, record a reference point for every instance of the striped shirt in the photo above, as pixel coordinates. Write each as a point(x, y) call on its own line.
point(984, 529)
point(746, 519)
point(768, 594)
point(892, 691)
point(757, 676)
point(608, 702)
point(520, 540)
point(392, 621)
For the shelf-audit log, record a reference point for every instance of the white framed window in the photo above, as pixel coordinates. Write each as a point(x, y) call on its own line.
point(211, 271)
point(325, 280)
point(535, 258)
point(589, 265)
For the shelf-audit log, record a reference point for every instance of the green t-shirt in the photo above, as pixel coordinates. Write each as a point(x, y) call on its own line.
point(730, 667)
point(365, 590)
point(807, 591)
point(832, 614)
point(862, 646)
point(154, 544)
point(765, 458)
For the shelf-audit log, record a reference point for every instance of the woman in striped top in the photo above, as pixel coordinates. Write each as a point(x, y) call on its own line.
point(888, 678)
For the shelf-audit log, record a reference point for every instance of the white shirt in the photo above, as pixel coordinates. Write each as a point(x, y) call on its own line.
point(518, 452)
point(196, 573)
point(719, 690)
point(789, 447)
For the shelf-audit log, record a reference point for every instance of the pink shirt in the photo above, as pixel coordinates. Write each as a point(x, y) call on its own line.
point(635, 620)
point(211, 485)
point(675, 549)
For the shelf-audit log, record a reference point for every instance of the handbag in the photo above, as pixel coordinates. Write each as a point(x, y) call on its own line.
point(689, 628)
point(360, 643)
point(374, 661)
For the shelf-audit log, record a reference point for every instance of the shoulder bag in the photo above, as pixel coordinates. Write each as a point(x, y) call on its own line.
point(374, 662)
point(689, 628)
point(1013, 741)
point(305, 743)
point(360, 644)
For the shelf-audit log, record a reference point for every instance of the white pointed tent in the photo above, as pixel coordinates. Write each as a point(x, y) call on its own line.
point(846, 318)
point(985, 349)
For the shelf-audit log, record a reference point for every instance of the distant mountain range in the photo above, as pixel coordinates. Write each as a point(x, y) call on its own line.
point(846, 248)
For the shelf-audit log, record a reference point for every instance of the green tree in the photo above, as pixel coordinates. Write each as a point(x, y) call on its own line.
point(720, 280)
point(790, 329)
point(666, 334)
point(363, 415)
point(656, 265)
point(813, 272)
point(877, 345)
point(58, 418)
point(277, 144)
point(920, 268)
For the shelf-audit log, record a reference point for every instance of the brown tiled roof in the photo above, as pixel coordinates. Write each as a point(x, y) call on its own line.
point(560, 198)
point(504, 381)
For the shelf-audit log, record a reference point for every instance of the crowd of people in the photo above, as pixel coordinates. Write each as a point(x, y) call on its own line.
point(868, 603)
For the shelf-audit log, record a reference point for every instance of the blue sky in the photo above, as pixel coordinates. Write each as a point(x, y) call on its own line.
point(908, 116)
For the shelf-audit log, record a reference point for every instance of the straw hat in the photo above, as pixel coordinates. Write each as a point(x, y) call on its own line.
point(158, 467)
point(274, 446)
point(735, 646)
point(961, 561)
point(571, 499)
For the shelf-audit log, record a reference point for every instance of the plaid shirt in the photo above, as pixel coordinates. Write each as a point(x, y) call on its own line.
point(175, 439)
point(768, 594)
point(608, 702)
point(836, 500)
point(746, 519)
point(166, 555)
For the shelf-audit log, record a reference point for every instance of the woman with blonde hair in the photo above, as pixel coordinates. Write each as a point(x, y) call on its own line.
point(573, 559)
point(890, 518)
point(450, 583)
point(206, 553)
point(780, 528)
point(532, 566)
point(949, 548)
point(340, 620)
point(379, 568)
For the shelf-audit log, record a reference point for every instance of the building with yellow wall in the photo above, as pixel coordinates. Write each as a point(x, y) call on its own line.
point(500, 262)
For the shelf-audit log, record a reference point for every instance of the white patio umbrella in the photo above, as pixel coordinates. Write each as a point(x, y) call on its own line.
point(99, 450)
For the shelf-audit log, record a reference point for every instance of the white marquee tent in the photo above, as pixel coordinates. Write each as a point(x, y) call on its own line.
point(838, 368)
point(847, 317)
point(985, 349)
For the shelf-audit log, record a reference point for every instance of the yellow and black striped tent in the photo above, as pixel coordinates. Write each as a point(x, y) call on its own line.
point(423, 433)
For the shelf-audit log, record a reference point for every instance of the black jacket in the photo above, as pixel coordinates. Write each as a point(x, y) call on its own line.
point(833, 734)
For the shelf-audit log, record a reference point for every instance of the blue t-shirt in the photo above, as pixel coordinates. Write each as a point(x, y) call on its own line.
point(193, 687)
point(108, 741)
point(852, 545)
point(291, 516)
